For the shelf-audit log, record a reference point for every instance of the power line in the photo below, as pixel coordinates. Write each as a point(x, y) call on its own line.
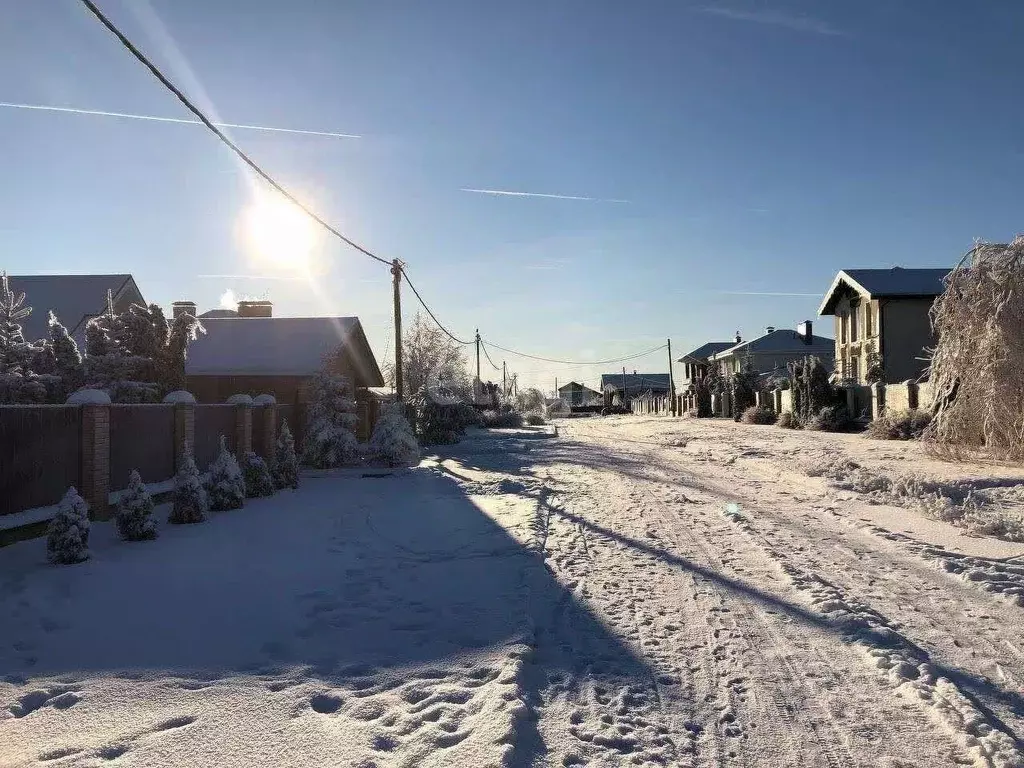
point(220, 134)
point(580, 363)
point(433, 317)
point(484, 347)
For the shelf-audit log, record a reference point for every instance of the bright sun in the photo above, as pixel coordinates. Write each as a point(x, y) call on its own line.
point(279, 233)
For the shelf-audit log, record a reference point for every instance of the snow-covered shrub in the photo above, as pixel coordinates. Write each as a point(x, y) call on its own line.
point(899, 425)
point(225, 486)
point(744, 385)
point(134, 515)
point(67, 538)
point(286, 464)
point(831, 418)
point(258, 481)
point(535, 419)
point(393, 440)
point(758, 414)
point(786, 420)
point(436, 423)
point(467, 415)
point(501, 419)
point(190, 501)
point(330, 440)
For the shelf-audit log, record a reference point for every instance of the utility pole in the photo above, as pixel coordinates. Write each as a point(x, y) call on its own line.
point(478, 354)
point(623, 385)
point(504, 380)
point(396, 271)
point(671, 379)
point(556, 388)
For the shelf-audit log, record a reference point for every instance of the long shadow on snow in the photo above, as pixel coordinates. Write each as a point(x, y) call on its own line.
point(977, 688)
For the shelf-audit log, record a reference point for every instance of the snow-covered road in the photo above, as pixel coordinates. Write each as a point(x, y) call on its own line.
point(632, 592)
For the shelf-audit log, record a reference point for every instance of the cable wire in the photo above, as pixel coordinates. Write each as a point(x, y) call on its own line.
point(220, 134)
point(484, 347)
point(433, 317)
point(579, 362)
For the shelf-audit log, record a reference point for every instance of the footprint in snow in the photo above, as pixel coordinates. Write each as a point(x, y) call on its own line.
point(59, 753)
point(325, 703)
point(61, 697)
point(174, 722)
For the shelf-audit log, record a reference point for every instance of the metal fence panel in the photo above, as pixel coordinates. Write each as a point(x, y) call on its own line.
point(212, 421)
point(142, 438)
point(40, 455)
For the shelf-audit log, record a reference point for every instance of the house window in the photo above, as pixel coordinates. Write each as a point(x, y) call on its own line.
point(854, 314)
point(868, 324)
point(842, 328)
point(855, 369)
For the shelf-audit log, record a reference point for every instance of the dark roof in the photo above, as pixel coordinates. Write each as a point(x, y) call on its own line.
point(279, 346)
point(886, 283)
point(73, 298)
point(781, 341)
point(215, 313)
point(636, 382)
point(575, 385)
point(705, 351)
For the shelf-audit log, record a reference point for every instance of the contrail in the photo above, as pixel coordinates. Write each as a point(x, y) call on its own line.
point(765, 293)
point(509, 193)
point(158, 119)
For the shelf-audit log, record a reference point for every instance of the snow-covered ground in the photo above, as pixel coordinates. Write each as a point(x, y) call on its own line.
point(631, 592)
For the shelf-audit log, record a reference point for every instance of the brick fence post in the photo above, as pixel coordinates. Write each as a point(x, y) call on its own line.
point(877, 399)
point(243, 430)
point(184, 431)
point(269, 415)
point(96, 460)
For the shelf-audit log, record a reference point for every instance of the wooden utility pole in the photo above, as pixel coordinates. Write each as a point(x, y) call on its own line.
point(623, 385)
point(478, 354)
point(671, 379)
point(396, 271)
point(504, 380)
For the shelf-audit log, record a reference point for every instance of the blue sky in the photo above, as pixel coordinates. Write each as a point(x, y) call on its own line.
point(729, 147)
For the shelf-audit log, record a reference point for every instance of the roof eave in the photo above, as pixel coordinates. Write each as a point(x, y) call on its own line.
point(828, 304)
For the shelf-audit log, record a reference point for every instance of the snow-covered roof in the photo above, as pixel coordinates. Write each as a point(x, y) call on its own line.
point(886, 283)
point(279, 346)
point(73, 298)
point(780, 341)
point(212, 313)
point(706, 351)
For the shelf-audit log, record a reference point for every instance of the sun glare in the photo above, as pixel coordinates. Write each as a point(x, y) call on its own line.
point(279, 234)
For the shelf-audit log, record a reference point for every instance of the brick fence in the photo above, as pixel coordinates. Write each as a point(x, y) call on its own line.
point(46, 449)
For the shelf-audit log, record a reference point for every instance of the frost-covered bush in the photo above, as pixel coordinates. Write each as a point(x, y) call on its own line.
point(466, 415)
point(502, 419)
point(258, 481)
point(225, 486)
point(190, 501)
point(67, 538)
point(437, 423)
point(786, 420)
point(899, 425)
point(558, 407)
point(535, 419)
point(758, 414)
point(286, 464)
point(831, 418)
point(134, 515)
point(330, 438)
point(393, 440)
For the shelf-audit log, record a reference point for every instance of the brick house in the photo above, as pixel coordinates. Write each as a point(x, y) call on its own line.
point(881, 317)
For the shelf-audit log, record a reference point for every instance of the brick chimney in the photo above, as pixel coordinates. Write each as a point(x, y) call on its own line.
point(806, 331)
point(769, 329)
point(183, 308)
point(261, 308)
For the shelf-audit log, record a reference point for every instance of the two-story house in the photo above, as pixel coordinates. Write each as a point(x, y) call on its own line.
point(697, 362)
point(882, 322)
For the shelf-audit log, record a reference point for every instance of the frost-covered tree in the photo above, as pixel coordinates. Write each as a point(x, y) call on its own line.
point(431, 359)
point(393, 440)
point(744, 383)
point(190, 501)
point(67, 360)
point(14, 352)
point(258, 481)
point(330, 438)
point(99, 332)
point(286, 464)
point(171, 366)
point(225, 486)
point(67, 538)
point(134, 516)
point(437, 423)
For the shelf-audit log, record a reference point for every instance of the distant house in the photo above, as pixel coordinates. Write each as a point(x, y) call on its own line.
point(775, 349)
point(277, 356)
point(621, 388)
point(881, 317)
point(575, 393)
point(74, 299)
point(697, 362)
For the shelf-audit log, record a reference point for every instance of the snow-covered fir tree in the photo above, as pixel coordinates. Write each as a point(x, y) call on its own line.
point(67, 538)
point(13, 349)
point(225, 487)
point(134, 516)
point(171, 366)
point(330, 439)
point(286, 464)
point(393, 440)
point(190, 502)
point(258, 481)
point(67, 360)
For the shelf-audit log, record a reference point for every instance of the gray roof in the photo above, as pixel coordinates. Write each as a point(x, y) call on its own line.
point(636, 382)
point(214, 313)
point(73, 298)
point(887, 283)
point(279, 346)
point(705, 351)
point(781, 341)
point(575, 385)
